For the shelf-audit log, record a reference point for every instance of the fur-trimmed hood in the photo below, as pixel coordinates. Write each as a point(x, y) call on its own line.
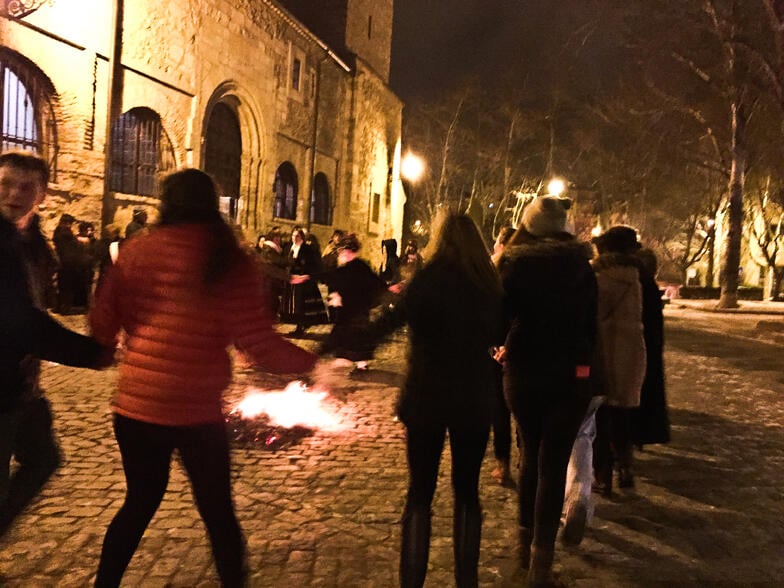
point(608, 260)
point(556, 246)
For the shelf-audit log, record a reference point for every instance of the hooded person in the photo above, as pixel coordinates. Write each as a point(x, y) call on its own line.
point(183, 293)
point(550, 304)
point(389, 270)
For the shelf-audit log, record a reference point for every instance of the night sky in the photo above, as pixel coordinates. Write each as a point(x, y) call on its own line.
point(436, 43)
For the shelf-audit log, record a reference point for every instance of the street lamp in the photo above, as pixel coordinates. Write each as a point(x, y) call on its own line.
point(556, 187)
point(412, 167)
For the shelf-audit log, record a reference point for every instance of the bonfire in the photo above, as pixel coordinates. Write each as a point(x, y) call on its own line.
point(275, 419)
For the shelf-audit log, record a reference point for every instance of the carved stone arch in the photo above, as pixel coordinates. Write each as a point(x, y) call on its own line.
point(232, 97)
point(29, 108)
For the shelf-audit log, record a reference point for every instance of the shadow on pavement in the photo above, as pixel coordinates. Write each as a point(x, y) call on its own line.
point(718, 462)
point(378, 376)
point(741, 353)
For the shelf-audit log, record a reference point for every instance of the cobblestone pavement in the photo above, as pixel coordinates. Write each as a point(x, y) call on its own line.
point(707, 509)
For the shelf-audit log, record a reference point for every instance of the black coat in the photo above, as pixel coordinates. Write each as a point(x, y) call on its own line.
point(651, 423)
point(360, 290)
point(303, 303)
point(27, 332)
point(452, 324)
point(550, 303)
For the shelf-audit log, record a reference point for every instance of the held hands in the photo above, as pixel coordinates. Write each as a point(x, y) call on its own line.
point(334, 299)
point(498, 354)
point(298, 279)
point(397, 288)
point(105, 358)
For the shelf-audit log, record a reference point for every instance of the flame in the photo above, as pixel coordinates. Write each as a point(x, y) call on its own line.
point(295, 405)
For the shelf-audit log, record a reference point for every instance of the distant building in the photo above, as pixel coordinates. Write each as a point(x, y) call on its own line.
point(293, 116)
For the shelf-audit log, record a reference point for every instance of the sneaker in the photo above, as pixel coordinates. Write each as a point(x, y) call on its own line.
point(574, 528)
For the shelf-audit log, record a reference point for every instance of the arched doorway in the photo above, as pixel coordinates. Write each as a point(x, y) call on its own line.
point(223, 156)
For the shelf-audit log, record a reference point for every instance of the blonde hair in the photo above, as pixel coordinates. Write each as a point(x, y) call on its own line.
point(457, 241)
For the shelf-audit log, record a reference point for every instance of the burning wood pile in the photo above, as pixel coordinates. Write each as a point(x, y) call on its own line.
point(275, 419)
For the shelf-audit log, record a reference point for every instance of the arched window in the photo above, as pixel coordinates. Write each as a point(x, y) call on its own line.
point(26, 112)
point(285, 188)
point(141, 153)
point(320, 205)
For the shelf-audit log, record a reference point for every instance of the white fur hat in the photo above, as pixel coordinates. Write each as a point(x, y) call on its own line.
point(546, 215)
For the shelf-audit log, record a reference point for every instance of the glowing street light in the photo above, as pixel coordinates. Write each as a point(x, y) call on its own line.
point(412, 167)
point(556, 187)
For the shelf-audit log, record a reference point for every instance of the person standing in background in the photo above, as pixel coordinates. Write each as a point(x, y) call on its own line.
point(138, 222)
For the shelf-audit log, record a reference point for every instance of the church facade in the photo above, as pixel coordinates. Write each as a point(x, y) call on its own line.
point(285, 103)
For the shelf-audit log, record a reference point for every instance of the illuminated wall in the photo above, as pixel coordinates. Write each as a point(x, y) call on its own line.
point(277, 88)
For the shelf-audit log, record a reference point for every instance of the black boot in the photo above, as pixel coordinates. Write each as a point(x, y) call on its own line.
point(467, 534)
point(540, 573)
point(524, 545)
point(625, 460)
point(415, 548)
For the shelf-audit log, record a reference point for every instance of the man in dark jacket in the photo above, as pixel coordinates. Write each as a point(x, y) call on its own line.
point(28, 333)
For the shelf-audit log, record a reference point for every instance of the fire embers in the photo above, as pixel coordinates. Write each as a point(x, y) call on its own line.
point(273, 419)
point(259, 433)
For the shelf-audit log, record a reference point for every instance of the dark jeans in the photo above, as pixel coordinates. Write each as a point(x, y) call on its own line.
point(26, 434)
point(146, 451)
point(548, 411)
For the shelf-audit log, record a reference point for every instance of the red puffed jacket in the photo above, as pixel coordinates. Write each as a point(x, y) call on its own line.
point(176, 362)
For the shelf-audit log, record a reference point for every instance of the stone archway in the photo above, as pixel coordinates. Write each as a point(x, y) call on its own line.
point(219, 147)
point(223, 156)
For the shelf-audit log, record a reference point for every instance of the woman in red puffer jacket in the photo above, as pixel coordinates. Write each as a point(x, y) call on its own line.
point(182, 294)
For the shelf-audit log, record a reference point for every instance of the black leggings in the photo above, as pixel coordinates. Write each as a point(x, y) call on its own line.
point(424, 448)
point(146, 451)
point(549, 411)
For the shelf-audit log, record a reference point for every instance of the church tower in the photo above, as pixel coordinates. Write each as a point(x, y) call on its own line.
point(353, 28)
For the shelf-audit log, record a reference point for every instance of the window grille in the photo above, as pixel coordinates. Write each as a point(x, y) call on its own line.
point(141, 153)
point(285, 187)
point(26, 108)
point(320, 205)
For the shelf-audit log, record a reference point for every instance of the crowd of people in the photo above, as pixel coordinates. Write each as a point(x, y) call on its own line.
point(542, 331)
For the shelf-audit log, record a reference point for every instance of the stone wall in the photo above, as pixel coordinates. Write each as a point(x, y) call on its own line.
point(181, 58)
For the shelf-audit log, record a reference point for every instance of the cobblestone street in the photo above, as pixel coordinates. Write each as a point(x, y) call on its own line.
point(707, 510)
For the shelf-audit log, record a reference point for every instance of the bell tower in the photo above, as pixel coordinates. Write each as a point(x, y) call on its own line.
point(353, 28)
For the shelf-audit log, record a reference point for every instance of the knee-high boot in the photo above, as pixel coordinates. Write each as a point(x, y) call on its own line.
point(415, 548)
point(625, 461)
point(540, 573)
point(467, 535)
point(524, 545)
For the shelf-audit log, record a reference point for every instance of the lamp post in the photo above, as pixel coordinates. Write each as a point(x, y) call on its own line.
point(711, 253)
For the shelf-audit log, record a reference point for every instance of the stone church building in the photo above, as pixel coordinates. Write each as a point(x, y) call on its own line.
point(285, 102)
